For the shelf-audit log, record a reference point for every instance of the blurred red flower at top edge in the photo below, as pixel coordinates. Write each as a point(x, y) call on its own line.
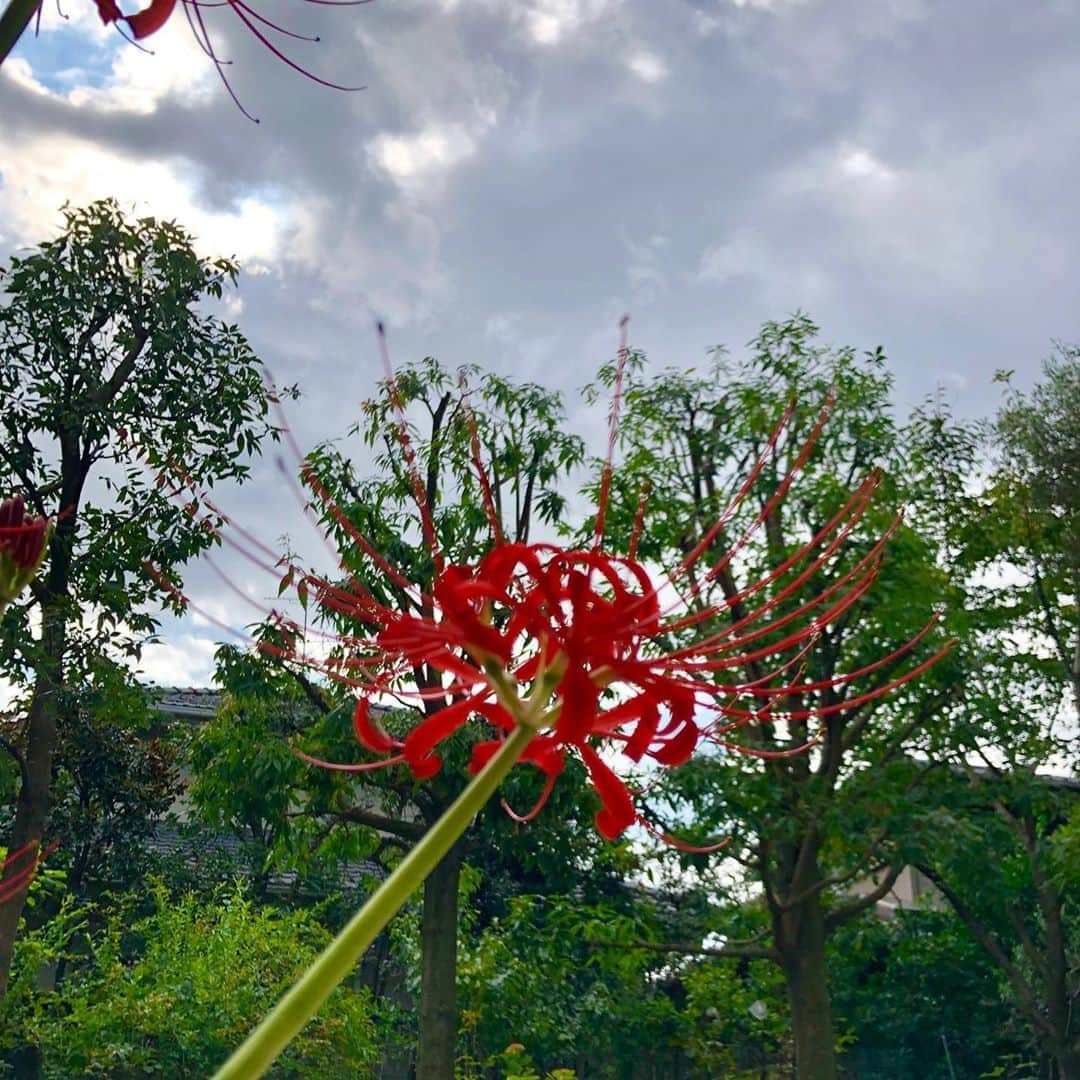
point(578, 645)
point(158, 12)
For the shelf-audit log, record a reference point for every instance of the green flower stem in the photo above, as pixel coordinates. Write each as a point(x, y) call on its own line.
point(302, 1002)
point(13, 22)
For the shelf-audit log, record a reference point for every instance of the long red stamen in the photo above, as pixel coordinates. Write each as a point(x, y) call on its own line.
point(419, 490)
point(682, 845)
point(539, 805)
point(737, 499)
point(613, 434)
point(337, 766)
point(481, 473)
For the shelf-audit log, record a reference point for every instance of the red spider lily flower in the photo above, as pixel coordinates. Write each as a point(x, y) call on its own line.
point(153, 17)
point(23, 540)
point(578, 645)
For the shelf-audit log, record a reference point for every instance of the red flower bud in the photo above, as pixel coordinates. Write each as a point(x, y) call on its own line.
point(23, 539)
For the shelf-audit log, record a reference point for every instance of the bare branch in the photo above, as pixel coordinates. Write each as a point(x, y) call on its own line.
point(839, 916)
point(993, 948)
point(408, 830)
point(739, 949)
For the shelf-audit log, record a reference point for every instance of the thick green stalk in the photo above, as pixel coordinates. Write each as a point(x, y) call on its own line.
point(13, 22)
point(301, 1003)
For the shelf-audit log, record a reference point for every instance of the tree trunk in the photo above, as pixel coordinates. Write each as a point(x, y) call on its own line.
point(438, 965)
point(33, 806)
point(801, 944)
point(1068, 1064)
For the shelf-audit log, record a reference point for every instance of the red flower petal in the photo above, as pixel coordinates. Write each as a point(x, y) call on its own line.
point(618, 813)
point(151, 19)
point(369, 731)
point(579, 697)
point(679, 748)
point(430, 732)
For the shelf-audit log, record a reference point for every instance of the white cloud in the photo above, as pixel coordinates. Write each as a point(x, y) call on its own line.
point(766, 5)
point(177, 70)
point(754, 256)
point(423, 157)
point(549, 21)
point(19, 71)
point(862, 165)
point(137, 81)
point(185, 660)
point(41, 172)
point(78, 16)
point(648, 67)
point(648, 280)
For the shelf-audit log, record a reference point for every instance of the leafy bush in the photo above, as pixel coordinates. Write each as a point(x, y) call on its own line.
point(536, 979)
point(172, 993)
point(923, 1000)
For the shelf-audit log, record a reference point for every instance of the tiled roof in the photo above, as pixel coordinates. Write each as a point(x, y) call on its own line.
point(194, 701)
point(167, 839)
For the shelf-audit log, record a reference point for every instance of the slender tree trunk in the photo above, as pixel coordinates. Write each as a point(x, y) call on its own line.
point(1068, 1064)
point(438, 964)
point(1058, 992)
point(801, 944)
point(32, 809)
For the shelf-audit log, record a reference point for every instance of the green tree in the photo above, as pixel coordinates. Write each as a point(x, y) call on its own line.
point(1013, 878)
point(920, 999)
point(1009, 874)
point(249, 781)
point(1034, 502)
point(807, 825)
point(540, 975)
point(107, 364)
point(114, 776)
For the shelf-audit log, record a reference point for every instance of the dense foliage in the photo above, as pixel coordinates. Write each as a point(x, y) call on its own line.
point(168, 993)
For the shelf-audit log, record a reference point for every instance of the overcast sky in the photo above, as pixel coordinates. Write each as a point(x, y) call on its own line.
point(518, 173)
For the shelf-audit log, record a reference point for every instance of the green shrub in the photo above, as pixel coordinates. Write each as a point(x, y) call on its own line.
point(172, 993)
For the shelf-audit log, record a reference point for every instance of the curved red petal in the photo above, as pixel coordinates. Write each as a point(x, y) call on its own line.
point(430, 732)
point(151, 19)
point(369, 732)
point(579, 698)
point(649, 720)
point(678, 749)
point(618, 813)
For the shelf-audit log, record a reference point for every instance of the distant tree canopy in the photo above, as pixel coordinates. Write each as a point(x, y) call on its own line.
point(110, 369)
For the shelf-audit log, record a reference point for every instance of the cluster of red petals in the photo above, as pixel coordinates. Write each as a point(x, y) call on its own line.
point(22, 535)
point(142, 23)
point(528, 609)
point(597, 620)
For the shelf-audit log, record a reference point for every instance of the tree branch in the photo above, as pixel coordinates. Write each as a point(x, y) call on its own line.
point(839, 916)
point(839, 879)
point(107, 391)
point(740, 949)
point(408, 830)
point(993, 948)
point(20, 760)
